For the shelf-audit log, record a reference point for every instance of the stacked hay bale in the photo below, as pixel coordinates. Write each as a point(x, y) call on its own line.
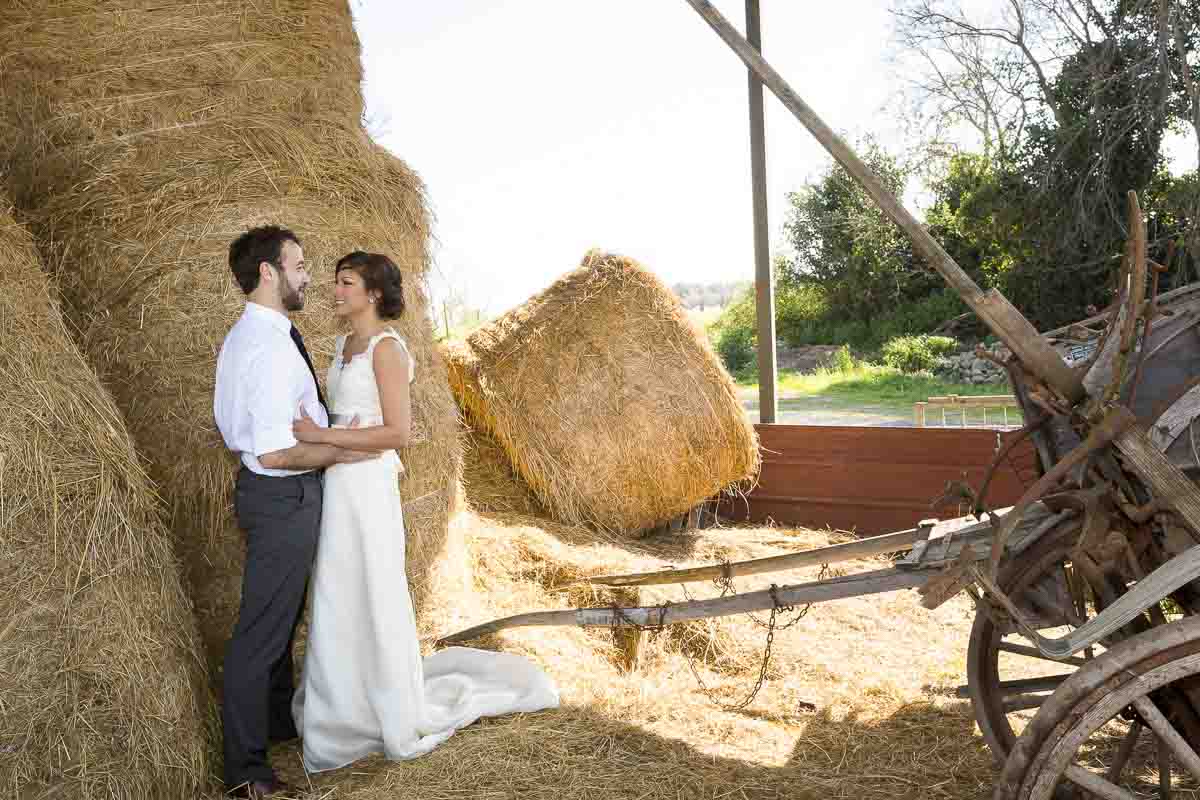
point(139, 140)
point(607, 400)
point(101, 693)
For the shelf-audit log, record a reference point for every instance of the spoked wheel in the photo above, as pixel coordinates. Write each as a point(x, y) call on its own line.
point(1007, 678)
point(1124, 726)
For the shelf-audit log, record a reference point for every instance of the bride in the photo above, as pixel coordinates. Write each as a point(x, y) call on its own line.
point(365, 687)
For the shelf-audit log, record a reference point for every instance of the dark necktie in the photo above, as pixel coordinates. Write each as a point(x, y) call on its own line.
point(299, 340)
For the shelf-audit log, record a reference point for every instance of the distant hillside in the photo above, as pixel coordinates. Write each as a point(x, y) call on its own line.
point(702, 296)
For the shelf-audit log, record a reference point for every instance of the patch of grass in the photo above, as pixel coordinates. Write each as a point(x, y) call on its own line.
point(870, 384)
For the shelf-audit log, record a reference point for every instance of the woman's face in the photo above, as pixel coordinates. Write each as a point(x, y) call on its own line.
point(350, 296)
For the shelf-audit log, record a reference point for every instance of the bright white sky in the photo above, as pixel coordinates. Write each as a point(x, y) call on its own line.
point(545, 127)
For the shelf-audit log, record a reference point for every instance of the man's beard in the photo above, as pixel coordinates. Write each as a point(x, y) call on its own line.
point(292, 299)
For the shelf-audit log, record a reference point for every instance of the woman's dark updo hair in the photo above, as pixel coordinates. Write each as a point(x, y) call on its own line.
point(379, 274)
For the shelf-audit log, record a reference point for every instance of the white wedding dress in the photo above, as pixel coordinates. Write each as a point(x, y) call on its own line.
point(365, 687)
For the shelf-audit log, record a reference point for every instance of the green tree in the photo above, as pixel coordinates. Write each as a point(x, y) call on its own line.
point(1071, 99)
point(846, 246)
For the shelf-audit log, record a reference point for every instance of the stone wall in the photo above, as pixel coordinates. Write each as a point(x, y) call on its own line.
point(967, 367)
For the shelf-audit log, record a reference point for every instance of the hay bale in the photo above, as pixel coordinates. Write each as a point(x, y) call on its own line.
point(608, 401)
point(100, 691)
point(139, 140)
point(488, 481)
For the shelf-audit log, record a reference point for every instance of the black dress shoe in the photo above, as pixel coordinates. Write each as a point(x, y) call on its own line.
point(254, 790)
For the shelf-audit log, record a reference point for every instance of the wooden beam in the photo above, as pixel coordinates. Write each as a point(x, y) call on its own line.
point(885, 580)
point(764, 280)
point(1152, 466)
point(833, 554)
point(1005, 321)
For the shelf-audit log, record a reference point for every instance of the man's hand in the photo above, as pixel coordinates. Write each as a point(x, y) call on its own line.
point(305, 430)
point(314, 452)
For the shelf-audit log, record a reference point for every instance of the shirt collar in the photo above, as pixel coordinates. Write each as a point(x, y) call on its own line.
point(270, 315)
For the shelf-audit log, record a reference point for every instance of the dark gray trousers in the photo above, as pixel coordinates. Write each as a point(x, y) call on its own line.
point(280, 518)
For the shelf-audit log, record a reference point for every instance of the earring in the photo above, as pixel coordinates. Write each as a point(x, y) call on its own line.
point(370, 299)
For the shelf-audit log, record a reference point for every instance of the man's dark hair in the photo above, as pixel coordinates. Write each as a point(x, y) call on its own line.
point(264, 243)
point(379, 274)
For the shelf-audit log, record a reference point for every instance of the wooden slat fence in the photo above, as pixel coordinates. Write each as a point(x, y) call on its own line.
point(874, 480)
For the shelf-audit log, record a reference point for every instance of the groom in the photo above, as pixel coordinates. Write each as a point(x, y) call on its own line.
point(264, 375)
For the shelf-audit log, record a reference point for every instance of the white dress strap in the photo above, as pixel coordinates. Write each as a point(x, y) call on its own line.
point(388, 333)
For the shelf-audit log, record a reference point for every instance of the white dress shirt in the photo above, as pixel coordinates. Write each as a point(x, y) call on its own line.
point(262, 381)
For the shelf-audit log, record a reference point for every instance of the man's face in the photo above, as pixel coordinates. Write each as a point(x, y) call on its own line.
point(293, 275)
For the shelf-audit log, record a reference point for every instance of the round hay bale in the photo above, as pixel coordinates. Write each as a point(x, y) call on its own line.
point(488, 481)
point(608, 401)
point(101, 693)
point(139, 141)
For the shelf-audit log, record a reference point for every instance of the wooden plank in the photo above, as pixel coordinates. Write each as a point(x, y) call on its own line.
point(833, 554)
point(898, 446)
point(1152, 466)
point(871, 480)
point(877, 582)
point(817, 515)
point(1004, 320)
point(1166, 428)
point(867, 480)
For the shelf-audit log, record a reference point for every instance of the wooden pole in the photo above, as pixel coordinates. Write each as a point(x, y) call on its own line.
point(884, 580)
point(992, 307)
point(832, 554)
point(764, 281)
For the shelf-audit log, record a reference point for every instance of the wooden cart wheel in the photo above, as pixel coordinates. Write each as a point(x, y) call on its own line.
point(1005, 684)
point(1124, 726)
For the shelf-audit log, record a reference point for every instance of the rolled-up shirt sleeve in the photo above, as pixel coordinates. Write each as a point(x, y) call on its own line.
point(271, 405)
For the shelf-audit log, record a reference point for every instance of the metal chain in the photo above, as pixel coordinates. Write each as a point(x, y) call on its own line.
point(620, 620)
point(762, 672)
point(799, 615)
point(724, 582)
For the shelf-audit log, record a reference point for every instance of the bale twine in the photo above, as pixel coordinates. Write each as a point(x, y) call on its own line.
point(608, 401)
point(101, 692)
point(140, 138)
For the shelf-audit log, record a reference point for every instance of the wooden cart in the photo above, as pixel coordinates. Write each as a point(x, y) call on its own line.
point(1097, 566)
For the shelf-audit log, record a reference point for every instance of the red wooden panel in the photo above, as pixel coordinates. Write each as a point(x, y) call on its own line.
point(873, 480)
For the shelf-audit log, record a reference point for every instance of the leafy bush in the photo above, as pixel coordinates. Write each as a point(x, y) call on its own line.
point(735, 346)
point(843, 361)
point(799, 312)
point(733, 334)
point(917, 353)
point(803, 315)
